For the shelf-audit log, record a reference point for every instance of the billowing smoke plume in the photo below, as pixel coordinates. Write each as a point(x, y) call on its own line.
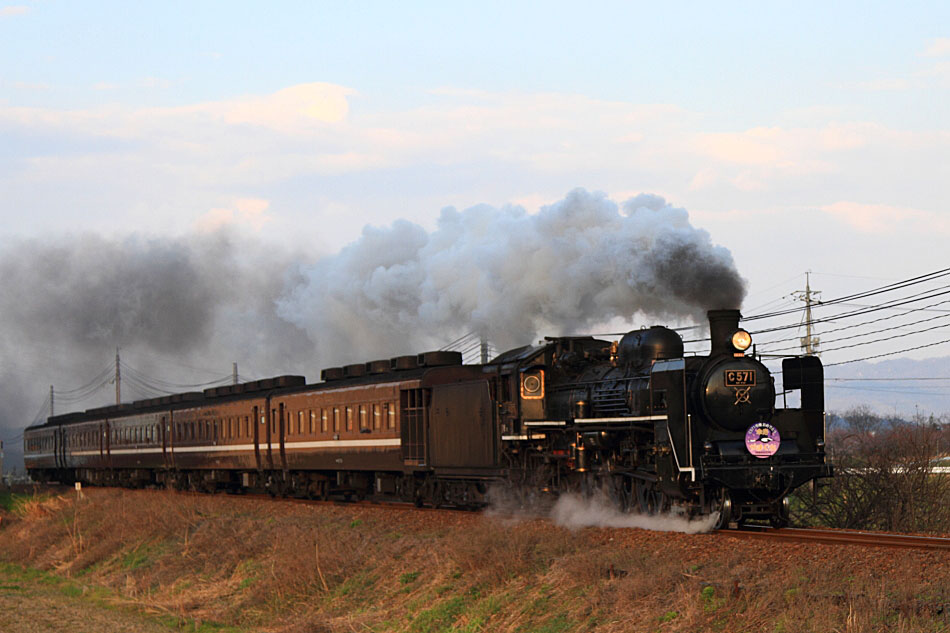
point(510, 275)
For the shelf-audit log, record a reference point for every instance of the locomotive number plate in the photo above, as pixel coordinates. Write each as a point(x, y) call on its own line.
point(739, 377)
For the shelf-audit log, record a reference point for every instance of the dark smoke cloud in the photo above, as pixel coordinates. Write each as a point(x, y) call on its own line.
point(177, 307)
point(510, 275)
point(205, 301)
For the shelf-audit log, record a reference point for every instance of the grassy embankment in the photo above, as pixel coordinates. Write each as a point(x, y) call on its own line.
point(209, 562)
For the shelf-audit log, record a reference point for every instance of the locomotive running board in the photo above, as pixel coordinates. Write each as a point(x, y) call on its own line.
point(638, 418)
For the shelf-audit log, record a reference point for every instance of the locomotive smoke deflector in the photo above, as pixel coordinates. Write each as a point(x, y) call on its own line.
point(723, 325)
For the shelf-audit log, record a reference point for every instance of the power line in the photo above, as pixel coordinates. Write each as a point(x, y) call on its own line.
point(883, 379)
point(913, 281)
point(872, 321)
point(892, 304)
point(900, 351)
point(880, 340)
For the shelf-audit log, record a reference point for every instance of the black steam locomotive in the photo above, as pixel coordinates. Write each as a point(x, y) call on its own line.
point(637, 419)
point(658, 428)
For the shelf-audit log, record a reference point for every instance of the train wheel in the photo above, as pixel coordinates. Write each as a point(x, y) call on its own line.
point(781, 518)
point(722, 505)
point(648, 498)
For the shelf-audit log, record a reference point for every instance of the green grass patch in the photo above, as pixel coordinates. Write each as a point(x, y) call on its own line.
point(711, 603)
point(356, 588)
point(669, 616)
point(440, 617)
point(15, 502)
point(408, 577)
point(141, 556)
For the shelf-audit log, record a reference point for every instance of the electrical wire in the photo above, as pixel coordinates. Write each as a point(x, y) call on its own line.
point(865, 323)
point(900, 351)
point(879, 340)
point(906, 283)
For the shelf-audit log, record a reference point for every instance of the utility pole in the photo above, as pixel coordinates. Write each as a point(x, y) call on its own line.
point(118, 379)
point(51, 410)
point(484, 351)
point(809, 342)
point(234, 374)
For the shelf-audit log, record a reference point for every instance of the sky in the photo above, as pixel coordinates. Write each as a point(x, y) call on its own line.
point(801, 136)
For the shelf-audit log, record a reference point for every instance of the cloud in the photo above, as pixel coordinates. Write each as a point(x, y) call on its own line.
point(304, 149)
point(940, 47)
point(778, 146)
point(887, 219)
point(286, 110)
point(884, 85)
point(247, 212)
point(10, 11)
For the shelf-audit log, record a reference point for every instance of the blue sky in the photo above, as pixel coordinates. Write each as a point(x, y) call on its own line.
point(745, 62)
point(800, 135)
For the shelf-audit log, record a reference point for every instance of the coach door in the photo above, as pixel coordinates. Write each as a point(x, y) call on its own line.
point(256, 423)
point(60, 451)
point(413, 415)
point(282, 422)
point(165, 427)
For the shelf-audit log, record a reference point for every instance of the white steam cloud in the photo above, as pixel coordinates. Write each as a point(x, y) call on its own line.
point(575, 512)
point(509, 276)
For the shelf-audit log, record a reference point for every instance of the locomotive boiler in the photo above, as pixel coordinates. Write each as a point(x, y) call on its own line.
point(637, 419)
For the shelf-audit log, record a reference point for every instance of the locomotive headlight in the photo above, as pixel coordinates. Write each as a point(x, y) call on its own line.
point(741, 340)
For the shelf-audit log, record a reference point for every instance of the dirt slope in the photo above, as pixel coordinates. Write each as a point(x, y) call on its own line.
point(209, 561)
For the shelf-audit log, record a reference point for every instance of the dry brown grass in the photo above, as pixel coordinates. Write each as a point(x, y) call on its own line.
point(312, 569)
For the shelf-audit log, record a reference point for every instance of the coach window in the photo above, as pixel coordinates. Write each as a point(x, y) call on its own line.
point(377, 416)
point(391, 414)
point(313, 417)
point(336, 419)
point(323, 420)
point(364, 418)
point(349, 418)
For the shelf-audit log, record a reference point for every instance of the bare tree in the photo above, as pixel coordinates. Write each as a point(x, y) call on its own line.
point(885, 476)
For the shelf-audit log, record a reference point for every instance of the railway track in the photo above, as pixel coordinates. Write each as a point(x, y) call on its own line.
point(841, 537)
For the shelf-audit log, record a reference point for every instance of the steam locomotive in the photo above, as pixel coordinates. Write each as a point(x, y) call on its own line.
point(637, 419)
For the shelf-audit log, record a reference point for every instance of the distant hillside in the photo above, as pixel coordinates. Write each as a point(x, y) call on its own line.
point(890, 390)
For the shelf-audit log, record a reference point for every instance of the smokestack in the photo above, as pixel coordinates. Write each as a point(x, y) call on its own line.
point(722, 325)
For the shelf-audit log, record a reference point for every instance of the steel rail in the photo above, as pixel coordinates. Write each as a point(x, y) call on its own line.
point(842, 537)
